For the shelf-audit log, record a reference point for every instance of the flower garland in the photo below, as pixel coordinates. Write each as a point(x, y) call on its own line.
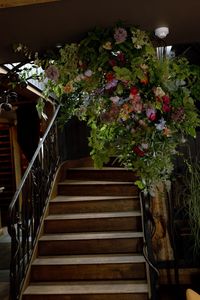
point(139, 108)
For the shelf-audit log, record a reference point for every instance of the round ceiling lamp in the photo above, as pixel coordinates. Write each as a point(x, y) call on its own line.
point(161, 32)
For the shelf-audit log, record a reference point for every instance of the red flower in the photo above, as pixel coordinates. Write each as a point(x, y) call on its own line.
point(134, 91)
point(166, 99)
point(138, 151)
point(109, 77)
point(112, 62)
point(121, 57)
point(166, 108)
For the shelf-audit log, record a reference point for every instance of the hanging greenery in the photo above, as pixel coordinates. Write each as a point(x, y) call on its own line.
point(139, 108)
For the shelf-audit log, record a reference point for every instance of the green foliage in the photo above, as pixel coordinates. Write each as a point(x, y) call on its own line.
point(192, 201)
point(138, 107)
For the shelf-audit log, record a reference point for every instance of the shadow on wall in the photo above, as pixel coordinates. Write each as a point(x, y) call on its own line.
point(73, 140)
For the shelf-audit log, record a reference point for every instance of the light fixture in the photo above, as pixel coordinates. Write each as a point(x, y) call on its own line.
point(161, 32)
point(5, 99)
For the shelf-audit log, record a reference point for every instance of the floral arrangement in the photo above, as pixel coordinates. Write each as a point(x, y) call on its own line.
point(139, 107)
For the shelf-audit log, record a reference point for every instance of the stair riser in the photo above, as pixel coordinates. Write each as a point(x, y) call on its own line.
point(89, 225)
point(94, 206)
point(88, 272)
point(87, 297)
point(90, 246)
point(110, 175)
point(97, 190)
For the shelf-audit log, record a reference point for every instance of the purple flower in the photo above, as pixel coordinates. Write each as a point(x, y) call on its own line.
point(111, 84)
point(120, 35)
point(52, 72)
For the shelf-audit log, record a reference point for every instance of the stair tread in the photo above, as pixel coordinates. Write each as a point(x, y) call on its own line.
point(100, 287)
point(93, 182)
point(89, 259)
point(91, 236)
point(88, 198)
point(102, 169)
point(93, 215)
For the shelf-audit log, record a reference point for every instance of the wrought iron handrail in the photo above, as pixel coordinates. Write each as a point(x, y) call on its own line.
point(28, 204)
point(149, 229)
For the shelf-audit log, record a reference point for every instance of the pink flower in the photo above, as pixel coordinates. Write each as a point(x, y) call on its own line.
point(120, 35)
point(178, 115)
point(151, 114)
point(115, 99)
point(52, 72)
point(137, 107)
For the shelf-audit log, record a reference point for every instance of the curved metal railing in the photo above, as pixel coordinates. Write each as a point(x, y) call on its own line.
point(28, 204)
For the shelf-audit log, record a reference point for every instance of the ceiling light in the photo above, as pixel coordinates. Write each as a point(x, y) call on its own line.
point(161, 32)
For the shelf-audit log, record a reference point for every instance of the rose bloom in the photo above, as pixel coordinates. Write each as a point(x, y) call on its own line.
point(166, 108)
point(134, 90)
point(151, 114)
point(166, 99)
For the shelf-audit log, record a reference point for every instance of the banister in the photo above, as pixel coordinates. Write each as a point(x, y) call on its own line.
point(28, 204)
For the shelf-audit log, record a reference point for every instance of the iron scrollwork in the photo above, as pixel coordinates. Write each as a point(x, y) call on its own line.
point(28, 204)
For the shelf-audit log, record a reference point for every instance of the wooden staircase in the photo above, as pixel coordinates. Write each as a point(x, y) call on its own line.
point(91, 245)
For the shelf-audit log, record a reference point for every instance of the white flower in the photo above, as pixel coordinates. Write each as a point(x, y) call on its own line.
point(161, 125)
point(88, 73)
point(115, 99)
point(158, 91)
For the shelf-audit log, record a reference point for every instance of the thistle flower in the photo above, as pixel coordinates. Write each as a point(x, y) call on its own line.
point(52, 73)
point(120, 35)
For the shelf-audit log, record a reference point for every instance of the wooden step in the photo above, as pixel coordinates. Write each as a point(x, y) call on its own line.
point(96, 188)
point(93, 222)
point(89, 267)
point(101, 290)
point(90, 243)
point(74, 204)
point(118, 174)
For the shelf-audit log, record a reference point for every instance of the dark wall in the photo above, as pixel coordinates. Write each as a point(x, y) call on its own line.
point(28, 129)
point(73, 140)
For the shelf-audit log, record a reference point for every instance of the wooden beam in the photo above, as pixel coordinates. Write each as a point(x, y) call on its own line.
point(14, 3)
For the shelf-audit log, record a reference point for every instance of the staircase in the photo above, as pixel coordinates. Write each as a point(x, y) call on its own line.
point(91, 245)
